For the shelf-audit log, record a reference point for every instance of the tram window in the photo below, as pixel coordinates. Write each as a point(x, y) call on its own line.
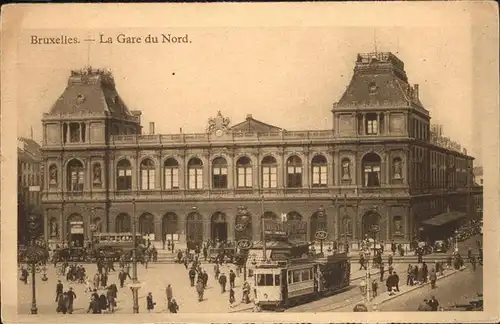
point(296, 276)
point(276, 280)
point(289, 277)
point(305, 275)
point(264, 280)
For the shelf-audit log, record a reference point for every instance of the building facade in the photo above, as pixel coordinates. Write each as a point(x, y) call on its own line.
point(29, 182)
point(380, 172)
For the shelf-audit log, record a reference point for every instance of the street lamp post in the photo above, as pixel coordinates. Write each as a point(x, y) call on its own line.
point(264, 252)
point(456, 240)
point(35, 257)
point(135, 284)
point(346, 244)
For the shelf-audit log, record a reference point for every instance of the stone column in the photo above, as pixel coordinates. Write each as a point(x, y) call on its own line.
point(62, 225)
point(363, 127)
point(388, 225)
point(256, 171)
point(387, 161)
point(231, 172)
point(306, 171)
point(387, 128)
point(331, 169)
point(182, 173)
point(68, 132)
point(207, 171)
point(282, 171)
point(157, 229)
point(378, 124)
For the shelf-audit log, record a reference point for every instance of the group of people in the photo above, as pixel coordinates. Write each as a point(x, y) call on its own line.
point(429, 305)
point(64, 299)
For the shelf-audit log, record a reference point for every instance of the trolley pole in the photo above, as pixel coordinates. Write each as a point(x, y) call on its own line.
point(263, 233)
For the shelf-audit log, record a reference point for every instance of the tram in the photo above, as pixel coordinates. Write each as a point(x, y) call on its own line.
point(282, 284)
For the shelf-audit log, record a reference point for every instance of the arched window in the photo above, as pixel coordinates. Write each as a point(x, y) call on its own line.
point(219, 173)
point(371, 170)
point(75, 175)
point(319, 171)
point(124, 175)
point(269, 172)
point(146, 224)
point(294, 171)
point(171, 173)
point(195, 173)
point(147, 175)
point(244, 166)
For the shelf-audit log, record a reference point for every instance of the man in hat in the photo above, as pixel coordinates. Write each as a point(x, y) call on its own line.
point(223, 281)
point(71, 297)
point(59, 289)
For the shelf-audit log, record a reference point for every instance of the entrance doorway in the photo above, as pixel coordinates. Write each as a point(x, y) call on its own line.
point(194, 228)
point(371, 225)
point(219, 227)
point(75, 231)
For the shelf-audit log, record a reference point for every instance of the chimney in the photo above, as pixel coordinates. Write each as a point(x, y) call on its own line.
point(415, 91)
point(151, 128)
point(249, 116)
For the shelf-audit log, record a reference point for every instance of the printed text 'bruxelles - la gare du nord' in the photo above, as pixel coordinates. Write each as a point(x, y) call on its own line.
point(121, 38)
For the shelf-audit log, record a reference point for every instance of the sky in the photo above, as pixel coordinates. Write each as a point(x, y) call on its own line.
point(284, 75)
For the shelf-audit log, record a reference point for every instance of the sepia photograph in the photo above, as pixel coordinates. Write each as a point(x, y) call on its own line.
point(215, 162)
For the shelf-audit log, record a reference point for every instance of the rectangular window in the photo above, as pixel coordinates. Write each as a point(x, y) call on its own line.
point(319, 176)
point(305, 275)
point(248, 177)
point(199, 178)
point(219, 178)
point(144, 180)
point(372, 127)
point(171, 178)
point(151, 183)
point(192, 178)
point(269, 177)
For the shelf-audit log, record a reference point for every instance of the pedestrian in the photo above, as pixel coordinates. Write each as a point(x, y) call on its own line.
point(362, 261)
point(434, 304)
point(200, 287)
point(192, 275)
point(473, 262)
point(205, 252)
point(173, 246)
point(382, 271)
point(59, 289)
point(232, 278)
point(425, 272)
point(163, 237)
point(231, 296)
point(185, 262)
point(424, 307)
point(173, 307)
point(103, 303)
point(96, 280)
point(222, 282)
point(169, 294)
point(61, 304)
point(95, 295)
point(388, 283)
point(111, 300)
point(395, 281)
point(374, 288)
point(216, 271)
point(71, 296)
point(150, 305)
point(246, 292)
point(122, 276)
point(94, 306)
point(362, 287)
point(205, 279)
point(104, 279)
point(390, 260)
point(433, 278)
point(409, 275)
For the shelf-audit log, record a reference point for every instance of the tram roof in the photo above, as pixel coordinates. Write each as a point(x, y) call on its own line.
point(280, 244)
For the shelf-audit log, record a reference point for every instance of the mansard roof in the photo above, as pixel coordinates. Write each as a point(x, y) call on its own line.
point(379, 79)
point(90, 91)
point(252, 125)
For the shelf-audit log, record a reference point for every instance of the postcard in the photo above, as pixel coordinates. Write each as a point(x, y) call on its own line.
point(240, 162)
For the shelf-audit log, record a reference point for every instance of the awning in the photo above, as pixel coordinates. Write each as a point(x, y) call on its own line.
point(444, 218)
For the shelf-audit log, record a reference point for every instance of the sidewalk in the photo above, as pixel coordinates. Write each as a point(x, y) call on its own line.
point(384, 297)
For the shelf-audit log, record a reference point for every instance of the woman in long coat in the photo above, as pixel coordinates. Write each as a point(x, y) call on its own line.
point(200, 287)
point(103, 302)
point(150, 305)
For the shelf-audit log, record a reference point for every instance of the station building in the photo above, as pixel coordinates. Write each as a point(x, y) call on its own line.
point(382, 171)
